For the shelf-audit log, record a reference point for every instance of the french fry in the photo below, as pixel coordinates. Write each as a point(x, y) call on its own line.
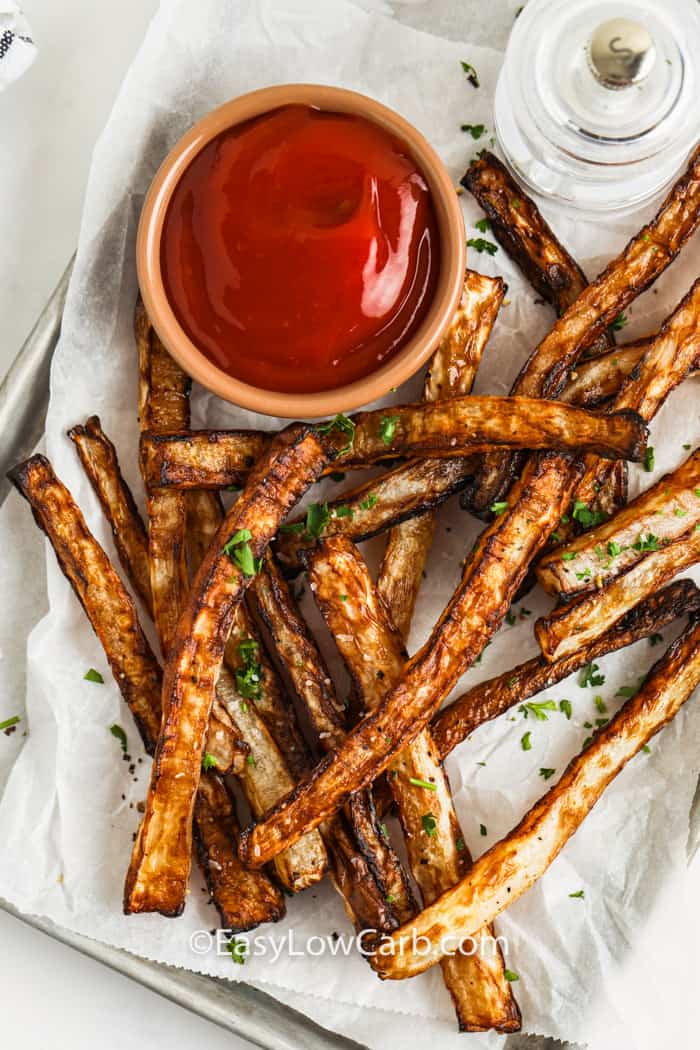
point(163, 405)
point(597, 379)
point(374, 655)
point(586, 618)
point(667, 510)
point(492, 575)
point(402, 568)
point(160, 863)
point(492, 698)
point(243, 902)
point(637, 266)
point(502, 874)
point(391, 900)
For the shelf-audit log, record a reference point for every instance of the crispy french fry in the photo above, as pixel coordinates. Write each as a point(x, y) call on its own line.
point(667, 510)
point(583, 620)
point(374, 655)
point(492, 698)
point(160, 862)
point(597, 379)
point(403, 565)
point(113, 617)
point(638, 265)
point(163, 405)
point(391, 900)
point(491, 578)
point(502, 874)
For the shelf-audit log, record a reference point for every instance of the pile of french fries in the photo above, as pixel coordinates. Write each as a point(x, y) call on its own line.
point(241, 702)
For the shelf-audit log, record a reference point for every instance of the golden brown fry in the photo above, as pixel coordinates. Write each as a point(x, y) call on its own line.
point(159, 870)
point(583, 620)
point(502, 874)
point(375, 657)
point(304, 666)
point(492, 698)
point(491, 578)
point(163, 405)
point(99, 459)
point(669, 359)
point(451, 374)
point(599, 378)
point(667, 511)
point(638, 265)
point(113, 617)
point(203, 459)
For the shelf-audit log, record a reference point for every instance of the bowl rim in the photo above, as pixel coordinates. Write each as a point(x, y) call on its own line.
point(407, 360)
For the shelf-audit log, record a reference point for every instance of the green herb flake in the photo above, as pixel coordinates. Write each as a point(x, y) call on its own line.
point(618, 323)
point(9, 722)
point(369, 501)
point(679, 512)
point(345, 425)
point(238, 950)
point(649, 459)
point(565, 708)
point(387, 428)
point(238, 550)
point(646, 543)
point(429, 824)
point(483, 225)
point(585, 516)
point(510, 618)
point(627, 691)
point(471, 74)
point(318, 517)
point(343, 512)
point(118, 732)
point(208, 761)
point(568, 555)
point(590, 677)
point(538, 708)
point(655, 639)
point(249, 676)
point(614, 549)
point(427, 784)
point(480, 245)
point(526, 741)
point(460, 844)
point(390, 898)
point(475, 130)
point(600, 704)
point(546, 773)
point(498, 508)
point(482, 829)
point(511, 975)
point(93, 676)
point(579, 895)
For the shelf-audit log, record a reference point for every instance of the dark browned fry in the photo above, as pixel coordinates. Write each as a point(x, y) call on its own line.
point(305, 668)
point(492, 698)
point(667, 362)
point(666, 511)
point(113, 617)
point(159, 870)
point(491, 578)
point(163, 405)
point(638, 265)
point(374, 655)
point(502, 874)
point(204, 459)
point(584, 619)
point(597, 379)
point(520, 228)
point(99, 459)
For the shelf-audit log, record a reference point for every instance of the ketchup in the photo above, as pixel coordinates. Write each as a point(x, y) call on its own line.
point(300, 249)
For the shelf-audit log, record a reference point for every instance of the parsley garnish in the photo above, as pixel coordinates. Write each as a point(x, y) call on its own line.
point(119, 733)
point(9, 722)
point(483, 225)
point(565, 708)
point(422, 783)
point(471, 73)
point(369, 501)
point(588, 676)
point(387, 428)
point(568, 555)
point(317, 517)
point(238, 950)
point(208, 761)
point(538, 708)
point(511, 975)
point(578, 895)
point(679, 512)
point(648, 543)
point(429, 824)
point(627, 691)
point(460, 844)
point(655, 639)
point(249, 675)
point(618, 323)
point(526, 742)
point(482, 829)
point(344, 512)
point(479, 244)
point(510, 618)
point(614, 548)
point(238, 550)
point(475, 130)
point(345, 425)
point(600, 704)
point(585, 516)
point(547, 773)
point(649, 458)
point(498, 508)
point(93, 676)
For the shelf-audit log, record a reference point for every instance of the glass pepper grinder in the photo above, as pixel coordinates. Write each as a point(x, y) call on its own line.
point(598, 102)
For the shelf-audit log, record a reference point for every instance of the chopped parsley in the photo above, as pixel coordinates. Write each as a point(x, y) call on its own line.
point(655, 639)
point(387, 428)
point(483, 225)
point(208, 761)
point(460, 844)
point(238, 550)
point(585, 575)
point(345, 425)
point(538, 709)
point(344, 512)
point(614, 549)
point(317, 518)
point(600, 704)
point(646, 543)
point(471, 74)
point(579, 895)
point(250, 760)
point(618, 323)
point(526, 741)
point(93, 676)
point(649, 458)
point(498, 508)
point(627, 691)
point(369, 501)
point(422, 783)
point(9, 722)
point(565, 708)
point(118, 732)
point(238, 950)
point(510, 618)
point(480, 244)
point(429, 824)
point(249, 675)
point(568, 555)
point(546, 773)
point(511, 975)
point(475, 130)
point(589, 677)
point(482, 829)
point(585, 516)
point(679, 512)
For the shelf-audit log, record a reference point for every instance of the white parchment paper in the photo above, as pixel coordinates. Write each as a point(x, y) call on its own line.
point(618, 964)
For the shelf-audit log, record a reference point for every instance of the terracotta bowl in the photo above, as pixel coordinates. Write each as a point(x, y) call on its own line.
point(407, 360)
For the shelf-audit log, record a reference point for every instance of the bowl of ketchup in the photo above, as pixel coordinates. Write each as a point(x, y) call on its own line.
point(301, 251)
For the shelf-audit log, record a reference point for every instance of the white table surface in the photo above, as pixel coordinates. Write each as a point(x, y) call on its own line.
point(49, 121)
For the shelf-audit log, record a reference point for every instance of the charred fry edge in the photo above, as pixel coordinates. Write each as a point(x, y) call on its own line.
point(502, 874)
point(491, 578)
point(360, 624)
point(492, 698)
point(215, 824)
point(667, 511)
point(160, 863)
point(586, 618)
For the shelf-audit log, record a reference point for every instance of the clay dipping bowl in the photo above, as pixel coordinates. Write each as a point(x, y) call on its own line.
point(406, 360)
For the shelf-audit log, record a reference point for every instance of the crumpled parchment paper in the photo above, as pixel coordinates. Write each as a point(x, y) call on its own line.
point(617, 967)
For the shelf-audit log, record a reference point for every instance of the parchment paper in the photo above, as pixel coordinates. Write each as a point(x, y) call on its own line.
point(619, 963)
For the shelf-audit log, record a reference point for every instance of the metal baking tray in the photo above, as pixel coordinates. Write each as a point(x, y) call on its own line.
point(240, 1008)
